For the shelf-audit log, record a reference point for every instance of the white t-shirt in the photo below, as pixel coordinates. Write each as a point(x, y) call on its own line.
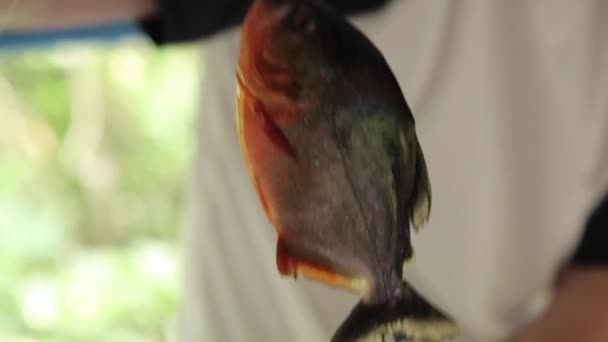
point(510, 100)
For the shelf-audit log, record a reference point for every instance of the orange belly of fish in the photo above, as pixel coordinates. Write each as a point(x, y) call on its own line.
point(253, 141)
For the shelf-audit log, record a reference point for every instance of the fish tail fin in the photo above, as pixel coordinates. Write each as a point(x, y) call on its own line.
point(411, 318)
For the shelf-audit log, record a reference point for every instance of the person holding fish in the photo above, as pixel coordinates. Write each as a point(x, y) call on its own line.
point(499, 155)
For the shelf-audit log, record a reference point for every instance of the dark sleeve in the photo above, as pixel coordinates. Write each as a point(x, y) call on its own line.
point(593, 248)
point(185, 20)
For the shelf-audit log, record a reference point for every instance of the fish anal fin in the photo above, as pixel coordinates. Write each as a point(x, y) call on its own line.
point(289, 265)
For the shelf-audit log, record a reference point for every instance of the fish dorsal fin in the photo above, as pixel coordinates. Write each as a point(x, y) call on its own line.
point(422, 198)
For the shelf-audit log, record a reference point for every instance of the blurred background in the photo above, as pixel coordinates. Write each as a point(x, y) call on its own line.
point(95, 142)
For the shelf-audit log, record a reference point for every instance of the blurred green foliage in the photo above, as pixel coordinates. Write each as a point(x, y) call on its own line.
point(95, 144)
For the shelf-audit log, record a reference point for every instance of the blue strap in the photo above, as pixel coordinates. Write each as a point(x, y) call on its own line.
point(101, 32)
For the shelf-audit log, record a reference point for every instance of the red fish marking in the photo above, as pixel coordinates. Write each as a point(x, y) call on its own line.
point(270, 128)
point(289, 265)
point(273, 132)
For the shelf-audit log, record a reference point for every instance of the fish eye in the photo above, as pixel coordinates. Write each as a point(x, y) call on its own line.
point(301, 19)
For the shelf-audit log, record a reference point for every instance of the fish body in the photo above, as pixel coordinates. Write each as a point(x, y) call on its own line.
point(331, 148)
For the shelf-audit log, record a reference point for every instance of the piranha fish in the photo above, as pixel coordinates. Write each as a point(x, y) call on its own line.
point(331, 148)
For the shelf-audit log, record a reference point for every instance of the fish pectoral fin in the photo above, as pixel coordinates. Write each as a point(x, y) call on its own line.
point(274, 132)
point(289, 265)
